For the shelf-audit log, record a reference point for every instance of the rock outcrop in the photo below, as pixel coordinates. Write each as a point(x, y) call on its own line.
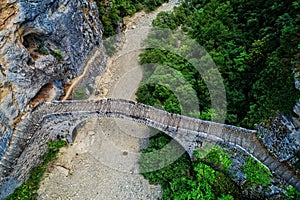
point(44, 45)
point(281, 136)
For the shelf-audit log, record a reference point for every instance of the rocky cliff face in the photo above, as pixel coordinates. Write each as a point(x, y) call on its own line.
point(43, 46)
point(41, 42)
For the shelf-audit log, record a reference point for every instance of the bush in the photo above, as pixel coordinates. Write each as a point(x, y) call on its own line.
point(292, 193)
point(184, 179)
point(256, 173)
point(79, 94)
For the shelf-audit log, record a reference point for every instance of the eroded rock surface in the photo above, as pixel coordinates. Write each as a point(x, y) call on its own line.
point(43, 46)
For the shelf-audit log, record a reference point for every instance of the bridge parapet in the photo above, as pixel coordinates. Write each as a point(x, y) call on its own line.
point(48, 119)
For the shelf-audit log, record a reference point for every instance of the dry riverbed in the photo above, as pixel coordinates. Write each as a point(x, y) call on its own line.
point(103, 161)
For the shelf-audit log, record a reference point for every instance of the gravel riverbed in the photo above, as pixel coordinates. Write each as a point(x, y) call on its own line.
point(103, 161)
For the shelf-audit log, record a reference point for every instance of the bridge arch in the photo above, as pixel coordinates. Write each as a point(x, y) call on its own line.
point(42, 123)
point(65, 122)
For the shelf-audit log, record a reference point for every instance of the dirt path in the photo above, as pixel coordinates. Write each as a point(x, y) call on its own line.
point(103, 161)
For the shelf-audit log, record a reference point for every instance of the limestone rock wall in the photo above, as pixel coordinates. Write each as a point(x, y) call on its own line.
point(42, 42)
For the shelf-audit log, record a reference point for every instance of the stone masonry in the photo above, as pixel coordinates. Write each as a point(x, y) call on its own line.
point(50, 119)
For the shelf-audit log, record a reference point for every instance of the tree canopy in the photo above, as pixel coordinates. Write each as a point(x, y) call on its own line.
point(255, 46)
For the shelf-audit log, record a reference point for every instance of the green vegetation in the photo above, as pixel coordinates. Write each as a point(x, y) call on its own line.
point(255, 48)
point(41, 48)
point(43, 51)
point(28, 189)
point(292, 193)
point(56, 53)
point(155, 95)
point(183, 179)
point(256, 173)
point(112, 12)
point(79, 94)
point(217, 158)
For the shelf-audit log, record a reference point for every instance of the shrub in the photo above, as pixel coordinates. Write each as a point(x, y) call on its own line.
point(257, 174)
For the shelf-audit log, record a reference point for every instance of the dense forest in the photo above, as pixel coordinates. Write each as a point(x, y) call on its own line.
point(254, 44)
point(184, 179)
point(256, 48)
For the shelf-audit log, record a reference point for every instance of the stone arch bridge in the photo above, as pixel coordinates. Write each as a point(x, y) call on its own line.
point(50, 119)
